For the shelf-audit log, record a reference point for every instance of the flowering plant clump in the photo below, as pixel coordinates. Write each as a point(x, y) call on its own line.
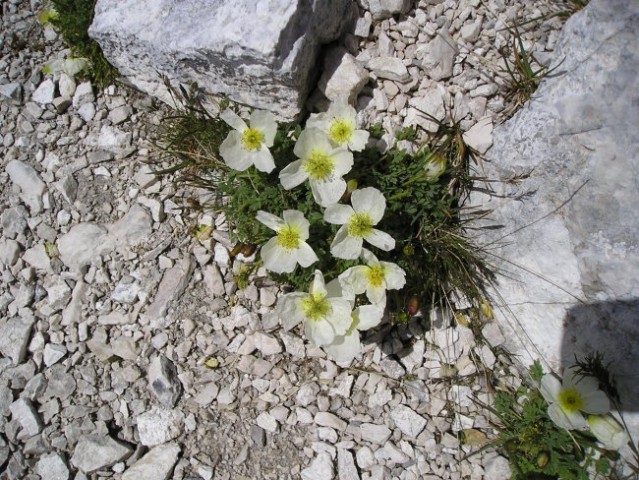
point(310, 199)
point(544, 433)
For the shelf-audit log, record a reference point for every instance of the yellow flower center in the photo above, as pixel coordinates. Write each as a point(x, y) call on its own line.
point(360, 225)
point(340, 131)
point(252, 139)
point(315, 306)
point(288, 237)
point(570, 400)
point(375, 276)
point(318, 165)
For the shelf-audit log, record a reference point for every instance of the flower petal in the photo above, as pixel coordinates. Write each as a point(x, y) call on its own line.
point(233, 154)
point(358, 140)
point(329, 192)
point(550, 387)
point(292, 175)
point(263, 160)
point(318, 286)
point(596, 402)
point(271, 221)
point(371, 201)
point(278, 259)
point(309, 140)
point(319, 332)
point(339, 315)
point(317, 120)
point(289, 309)
point(354, 279)
point(345, 246)
point(295, 218)
point(264, 121)
point(338, 214)
point(343, 162)
point(381, 240)
point(376, 294)
point(234, 120)
point(341, 109)
point(369, 257)
point(368, 316)
point(569, 421)
point(394, 276)
point(305, 255)
point(344, 348)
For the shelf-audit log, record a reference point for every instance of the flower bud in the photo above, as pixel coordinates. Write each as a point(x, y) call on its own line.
point(608, 431)
point(542, 459)
point(435, 166)
point(412, 306)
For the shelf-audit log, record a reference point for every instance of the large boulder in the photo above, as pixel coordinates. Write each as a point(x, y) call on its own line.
point(567, 252)
point(260, 53)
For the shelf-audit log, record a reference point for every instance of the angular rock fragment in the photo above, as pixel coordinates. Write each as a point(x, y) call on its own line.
point(163, 381)
point(94, 452)
point(157, 464)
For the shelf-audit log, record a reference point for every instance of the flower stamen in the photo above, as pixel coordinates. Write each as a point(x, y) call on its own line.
point(340, 131)
point(375, 276)
point(360, 225)
point(252, 139)
point(318, 165)
point(315, 307)
point(289, 237)
point(570, 400)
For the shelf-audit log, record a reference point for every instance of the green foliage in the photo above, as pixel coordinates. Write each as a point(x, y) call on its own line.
point(72, 21)
point(422, 212)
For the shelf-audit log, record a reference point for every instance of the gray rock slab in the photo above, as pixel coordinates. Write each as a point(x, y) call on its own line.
point(408, 421)
point(45, 93)
point(382, 9)
point(83, 243)
point(157, 464)
point(11, 91)
point(266, 63)
point(346, 469)
point(172, 286)
point(52, 466)
point(159, 425)
point(9, 252)
point(25, 413)
point(438, 56)
point(390, 68)
point(568, 250)
point(31, 187)
point(14, 337)
point(94, 452)
point(342, 76)
point(320, 468)
point(163, 381)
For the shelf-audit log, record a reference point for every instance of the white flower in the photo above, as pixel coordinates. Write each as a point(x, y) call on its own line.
point(608, 431)
point(321, 163)
point(245, 146)
point(374, 278)
point(574, 395)
point(368, 205)
point(340, 124)
point(324, 316)
point(282, 253)
point(345, 348)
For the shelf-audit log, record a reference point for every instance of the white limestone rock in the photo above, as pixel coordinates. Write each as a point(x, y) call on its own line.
point(45, 93)
point(266, 63)
point(94, 452)
point(52, 466)
point(159, 425)
point(156, 464)
point(567, 255)
point(32, 188)
point(342, 76)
